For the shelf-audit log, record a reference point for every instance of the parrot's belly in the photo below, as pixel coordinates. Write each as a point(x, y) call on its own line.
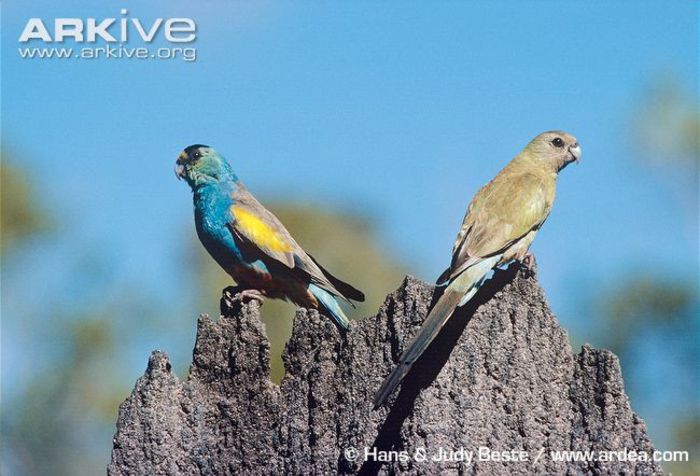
point(277, 287)
point(519, 249)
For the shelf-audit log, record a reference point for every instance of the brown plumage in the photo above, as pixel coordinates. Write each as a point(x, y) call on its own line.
point(500, 224)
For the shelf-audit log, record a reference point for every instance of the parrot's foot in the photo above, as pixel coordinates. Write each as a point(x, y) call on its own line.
point(234, 296)
point(251, 295)
point(529, 264)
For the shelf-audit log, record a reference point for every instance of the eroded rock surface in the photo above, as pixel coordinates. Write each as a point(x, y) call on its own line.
point(501, 375)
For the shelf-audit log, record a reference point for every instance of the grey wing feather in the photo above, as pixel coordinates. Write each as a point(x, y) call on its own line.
point(297, 257)
point(246, 201)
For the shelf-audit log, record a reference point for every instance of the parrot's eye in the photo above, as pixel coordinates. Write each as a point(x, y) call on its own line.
point(194, 152)
point(557, 142)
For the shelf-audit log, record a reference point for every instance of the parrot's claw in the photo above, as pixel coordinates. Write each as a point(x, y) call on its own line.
point(251, 295)
point(529, 264)
point(234, 296)
point(244, 295)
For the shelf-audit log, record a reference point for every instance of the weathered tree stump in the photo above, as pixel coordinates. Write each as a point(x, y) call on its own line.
point(500, 376)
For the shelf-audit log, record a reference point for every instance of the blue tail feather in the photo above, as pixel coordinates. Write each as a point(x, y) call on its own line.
point(330, 305)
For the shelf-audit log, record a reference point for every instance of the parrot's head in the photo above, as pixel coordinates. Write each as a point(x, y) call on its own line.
point(200, 165)
point(557, 148)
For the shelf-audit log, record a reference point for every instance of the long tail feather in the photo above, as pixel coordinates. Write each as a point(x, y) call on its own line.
point(457, 293)
point(347, 290)
point(330, 305)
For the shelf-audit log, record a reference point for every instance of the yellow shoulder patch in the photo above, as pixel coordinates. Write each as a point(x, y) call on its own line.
point(258, 231)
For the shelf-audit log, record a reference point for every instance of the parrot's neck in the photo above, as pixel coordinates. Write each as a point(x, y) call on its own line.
point(529, 162)
point(227, 174)
point(214, 196)
point(214, 172)
point(561, 164)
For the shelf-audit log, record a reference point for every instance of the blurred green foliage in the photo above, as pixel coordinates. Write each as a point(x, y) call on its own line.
point(20, 216)
point(71, 406)
point(655, 312)
point(648, 309)
point(646, 301)
point(668, 122)
point(687, 437)
point(343, 242)
point(63, 419)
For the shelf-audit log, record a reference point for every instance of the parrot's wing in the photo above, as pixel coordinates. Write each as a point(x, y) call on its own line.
point(501, 213)
point(346, 290)
point(255, 226)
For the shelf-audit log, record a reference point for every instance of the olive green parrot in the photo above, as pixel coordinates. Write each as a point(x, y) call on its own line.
point(499, 226)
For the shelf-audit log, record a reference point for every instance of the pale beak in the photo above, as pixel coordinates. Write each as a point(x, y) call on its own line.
point(576, 152)
point(179, 171)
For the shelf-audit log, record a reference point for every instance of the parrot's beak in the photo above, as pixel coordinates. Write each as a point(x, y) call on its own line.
point(179, 170)
point(576, 153)
point(180, 166)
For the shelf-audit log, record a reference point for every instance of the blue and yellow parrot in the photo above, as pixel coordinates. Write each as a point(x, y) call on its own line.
point(251, 244)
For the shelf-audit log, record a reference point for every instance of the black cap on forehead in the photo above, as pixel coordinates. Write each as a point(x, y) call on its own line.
point(193, 147)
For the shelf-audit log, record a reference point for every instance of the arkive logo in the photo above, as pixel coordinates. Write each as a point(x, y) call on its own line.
point(123, 37)
point(174, 30)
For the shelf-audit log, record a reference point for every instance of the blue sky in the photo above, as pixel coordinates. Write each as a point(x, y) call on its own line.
point(399, 111)
point(323, 102)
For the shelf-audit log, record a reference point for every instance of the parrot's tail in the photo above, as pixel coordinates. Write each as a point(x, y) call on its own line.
point(457, 293)
point(330, 304)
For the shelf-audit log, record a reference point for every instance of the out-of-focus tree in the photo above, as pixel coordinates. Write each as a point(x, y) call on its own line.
point(64, 419)
point(666, 132)
point(649, 311)
point(687, 436)
point(344, 243)
point(644, 315)
point(67, 406)
point(20, 216)
point(61, 421)
point(668, 122)
point(646, 301)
